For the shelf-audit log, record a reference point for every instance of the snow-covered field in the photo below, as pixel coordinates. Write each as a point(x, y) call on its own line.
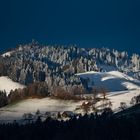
point(17, 110)
point(121, 87)
point(123, 96)
point(118, 93)
point(112, 81)
point(7, 84)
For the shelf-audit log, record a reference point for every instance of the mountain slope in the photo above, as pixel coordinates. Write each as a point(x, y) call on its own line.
point(57, 66)
point(16, 111)
point(7, 84)
point(112, 81)
point(7, 54)
point(120, 82)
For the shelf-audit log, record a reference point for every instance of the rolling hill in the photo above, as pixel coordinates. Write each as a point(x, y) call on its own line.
point(7, 84)
point(112, 80)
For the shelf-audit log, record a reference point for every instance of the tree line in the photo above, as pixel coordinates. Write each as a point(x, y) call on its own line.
point(106, 126)
point(35, 90)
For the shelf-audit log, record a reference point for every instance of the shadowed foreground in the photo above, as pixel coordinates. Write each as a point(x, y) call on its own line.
point(121, 126)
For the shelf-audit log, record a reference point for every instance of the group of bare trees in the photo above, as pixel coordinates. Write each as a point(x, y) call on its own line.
point(97, 94)
point(35, 90)
point(76, 93)
point(135, 100)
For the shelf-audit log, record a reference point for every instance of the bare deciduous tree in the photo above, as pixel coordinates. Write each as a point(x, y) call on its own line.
point(123, 105)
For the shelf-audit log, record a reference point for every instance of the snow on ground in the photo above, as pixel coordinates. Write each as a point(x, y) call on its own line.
point(7, 84)
point(17, 110)
point(123, 96)
point(117, 83)
point(112, 81)
point(7, 54)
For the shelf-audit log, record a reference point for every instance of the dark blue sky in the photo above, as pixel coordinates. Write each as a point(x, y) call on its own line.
point(87, 23)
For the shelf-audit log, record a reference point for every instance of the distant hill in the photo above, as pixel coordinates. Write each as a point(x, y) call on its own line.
point(112, 80)
point(57, 65)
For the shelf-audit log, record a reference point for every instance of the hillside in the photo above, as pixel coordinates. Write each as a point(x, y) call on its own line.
point(7, 54)
point(121, 88)
point(7, 84)
point(15, 111)
point(112, 80)
point(57, 65)
point(46, 69)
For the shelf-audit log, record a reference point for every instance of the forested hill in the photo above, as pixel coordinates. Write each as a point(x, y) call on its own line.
point(57, 65)
point(106, 126)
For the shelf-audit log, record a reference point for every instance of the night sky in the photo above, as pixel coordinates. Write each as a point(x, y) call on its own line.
point(87, 23)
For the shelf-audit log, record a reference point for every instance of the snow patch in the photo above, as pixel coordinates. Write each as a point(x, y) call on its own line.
point(7, 54)
point(7, 84)
point(112, 81)
point(117, 97)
